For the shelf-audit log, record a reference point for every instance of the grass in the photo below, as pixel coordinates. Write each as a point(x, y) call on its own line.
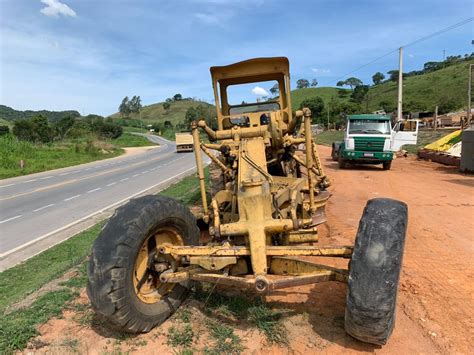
point(325, 93)
point(429, 89)
point(328, 137)
point(225, 340)
point(42, 157)
point(131, 140)
point(182, 336)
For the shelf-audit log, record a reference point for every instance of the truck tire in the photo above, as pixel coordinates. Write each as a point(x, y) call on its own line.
point(387, 165)
point(342, 161)
point(375, 271)
point(121, 288)
point(334, 154)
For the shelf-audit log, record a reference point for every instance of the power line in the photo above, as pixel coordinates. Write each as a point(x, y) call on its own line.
point(446, 29)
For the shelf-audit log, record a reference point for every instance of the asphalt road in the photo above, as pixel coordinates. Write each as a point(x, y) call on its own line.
point(35, 206)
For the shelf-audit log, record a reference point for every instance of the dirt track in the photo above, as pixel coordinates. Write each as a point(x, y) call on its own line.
point(435, 305)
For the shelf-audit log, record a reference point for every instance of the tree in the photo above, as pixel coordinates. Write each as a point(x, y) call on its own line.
point(314, 82)
point(190, 116)
point(168, 124)
point(124, 107)
point(394, 75)
point(341, 83)
point(316, 105)
point(135, 104)
point(63, 126)
point(302, 83)
point(377, 78)
point(353, 82)
point(166, 106)
point(359, 94)
point(274, 89)
point(177, 97)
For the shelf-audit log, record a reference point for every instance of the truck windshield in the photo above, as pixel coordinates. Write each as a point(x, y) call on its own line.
point(369, 126)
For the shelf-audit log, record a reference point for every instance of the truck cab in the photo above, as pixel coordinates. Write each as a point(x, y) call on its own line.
point(370, 139)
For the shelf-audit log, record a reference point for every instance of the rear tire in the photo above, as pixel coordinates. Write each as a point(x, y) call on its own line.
point(375, 271)
point(342, 161)
point(387, 165)
point(113, 273)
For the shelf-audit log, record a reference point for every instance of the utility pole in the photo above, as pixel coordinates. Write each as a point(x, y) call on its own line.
point(400, 85)
point(444, 54)
point(469, 95)
point(435, 119)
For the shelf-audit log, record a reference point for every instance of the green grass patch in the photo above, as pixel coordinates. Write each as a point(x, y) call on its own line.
point(21, 280)
point(180, 336)
point(131, 140)
point(187, 190)
point(17, 328)
point(42, 157)
point(225, 340)
point(328, 137)
point(255, 311)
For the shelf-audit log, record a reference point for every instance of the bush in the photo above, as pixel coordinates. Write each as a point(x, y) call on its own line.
point(4, 130)
point(36, 129)
point(109, 130)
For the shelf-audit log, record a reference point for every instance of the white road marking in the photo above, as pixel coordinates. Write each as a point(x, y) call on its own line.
point(42, 208)
point(111, 184)
point(146, 171)
point(91, 191)
point(10, 219)
point(7, 185)
point(30, 180)
point(87, 169)
point(125, 179)
point(46, 177)
point(64, 174)
point(71, 198)
point(135, 175)
point(153, 169)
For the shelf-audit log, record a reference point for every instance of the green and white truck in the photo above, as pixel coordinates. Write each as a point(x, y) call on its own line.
point(370, 139)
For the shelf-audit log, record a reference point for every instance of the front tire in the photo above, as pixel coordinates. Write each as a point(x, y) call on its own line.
point(387, 165)
point(375, 271)
point(121, 287)
point(342, 161)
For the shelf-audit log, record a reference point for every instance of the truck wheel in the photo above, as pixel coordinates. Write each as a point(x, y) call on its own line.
point(334, 153)
point(375, 270)
point(342, 161)
point(387, 165)
point(121, 287)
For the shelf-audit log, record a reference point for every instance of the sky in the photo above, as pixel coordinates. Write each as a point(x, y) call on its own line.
point(86, 55)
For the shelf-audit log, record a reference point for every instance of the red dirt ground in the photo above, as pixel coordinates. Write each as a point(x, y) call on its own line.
point(435, 305)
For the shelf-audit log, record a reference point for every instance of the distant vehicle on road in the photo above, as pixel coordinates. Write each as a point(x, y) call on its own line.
point(184, 142)
point(370, 139)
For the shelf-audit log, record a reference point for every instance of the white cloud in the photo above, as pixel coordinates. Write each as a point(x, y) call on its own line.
point(208, 19)
point(258, 91)
point(411, 55)
point(55, 8)
point(320, 71)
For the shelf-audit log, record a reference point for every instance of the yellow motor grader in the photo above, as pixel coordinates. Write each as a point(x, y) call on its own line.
point(263, 214)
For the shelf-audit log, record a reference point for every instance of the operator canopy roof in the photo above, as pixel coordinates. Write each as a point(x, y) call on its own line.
point(252, 70)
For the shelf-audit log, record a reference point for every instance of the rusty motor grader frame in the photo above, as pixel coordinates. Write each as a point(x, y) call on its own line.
point(269, 202)
point(273, 190)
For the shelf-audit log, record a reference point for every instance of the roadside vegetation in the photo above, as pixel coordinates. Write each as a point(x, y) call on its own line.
point(36, 144)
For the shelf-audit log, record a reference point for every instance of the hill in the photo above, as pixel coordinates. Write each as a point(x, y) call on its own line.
point(156, 113)
point(10, 114)
point(447, 86)
point(426, 90)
